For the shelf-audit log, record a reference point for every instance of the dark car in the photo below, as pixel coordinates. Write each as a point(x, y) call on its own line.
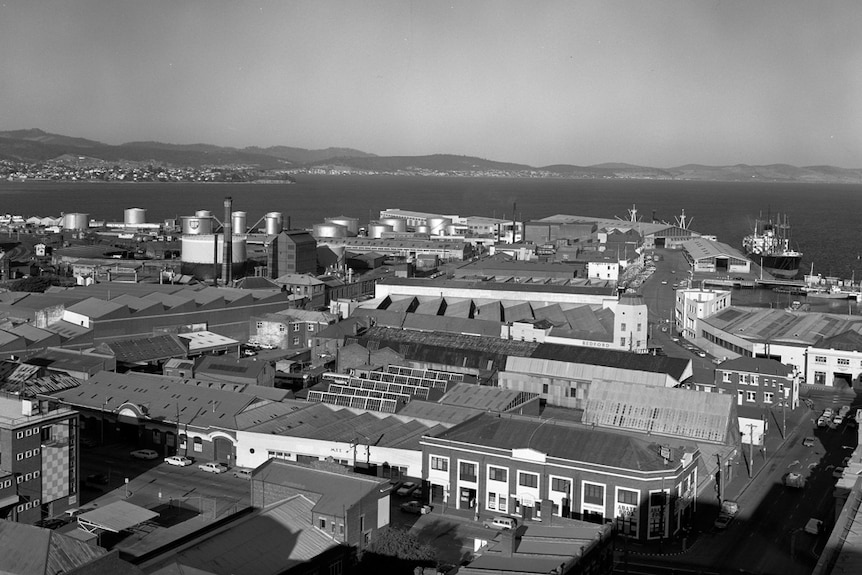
point(97, 478)
point(415, 507)
point(51, 523)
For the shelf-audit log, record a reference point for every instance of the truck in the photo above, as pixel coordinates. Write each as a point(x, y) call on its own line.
point(729, 510)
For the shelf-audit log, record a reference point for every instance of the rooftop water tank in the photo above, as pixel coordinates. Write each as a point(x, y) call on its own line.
point(239, 222)
point(274, 223)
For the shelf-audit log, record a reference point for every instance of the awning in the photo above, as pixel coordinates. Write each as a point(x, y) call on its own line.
point(115, 517)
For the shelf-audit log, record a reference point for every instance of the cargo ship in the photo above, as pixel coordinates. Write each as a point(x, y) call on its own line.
point(769, 247)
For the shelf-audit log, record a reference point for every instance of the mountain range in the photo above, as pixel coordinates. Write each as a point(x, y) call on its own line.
point(37, 146)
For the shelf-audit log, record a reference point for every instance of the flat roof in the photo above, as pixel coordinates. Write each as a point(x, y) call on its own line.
point(115, 517)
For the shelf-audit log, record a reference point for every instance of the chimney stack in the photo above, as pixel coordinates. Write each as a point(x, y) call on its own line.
point(227, 263)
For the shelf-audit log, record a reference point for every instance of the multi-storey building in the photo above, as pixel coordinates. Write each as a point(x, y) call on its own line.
point(532, 467)
point(758, 382)
point(694, 304)
point(289, 329)
point(38, 458)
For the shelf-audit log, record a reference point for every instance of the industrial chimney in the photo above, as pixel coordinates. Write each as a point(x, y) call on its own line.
point(227, 264)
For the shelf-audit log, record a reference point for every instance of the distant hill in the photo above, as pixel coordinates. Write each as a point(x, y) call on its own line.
point(36, 146)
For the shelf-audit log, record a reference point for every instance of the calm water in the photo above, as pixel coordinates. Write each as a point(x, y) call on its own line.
point(824, 218)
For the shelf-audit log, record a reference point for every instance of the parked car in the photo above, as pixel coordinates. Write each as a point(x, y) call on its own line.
point(809, 442)
point(838, 473)
point(179, 460)
point(144, 454)
point(814, 526)
point(406, 489)
point(99, 478)
point(729, 510)
point(794, 480)
point(837, 420)
point(415, 507)
point(500, 522)
point(212, 467)
point(51, 523)
point(242, 473)
point(844, 411)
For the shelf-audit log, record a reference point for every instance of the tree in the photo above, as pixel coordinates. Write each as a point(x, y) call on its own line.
point(396, 551)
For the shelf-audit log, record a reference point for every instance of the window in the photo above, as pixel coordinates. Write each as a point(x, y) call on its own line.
point(282, 328)
point(35, 503)
point(20, 456)
point(439, 463)
point(323, 523)
point(20, 435)
point(36, 451)
point(183, 439)
point(843, 361)
point(750, 396)
point(819, 378)
point(35, 474)
point(45, 434)
point(198, 444)
point(819, 359)
point(309, 327)
point(497, 473)
point(294, 327)
point(725, 376)
point(561, 485)
point(259, 325)
point(622, 342)
point(467, 471)
point(640, 327)
point(492, 501)
point(767, 397)
point(28, 477)
point(594, 494)
point(528, 479)
point(627, 497)
point(296, 341)
point(545, 388)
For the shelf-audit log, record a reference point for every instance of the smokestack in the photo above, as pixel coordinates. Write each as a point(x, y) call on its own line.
point(514, 223)
point(227, 263)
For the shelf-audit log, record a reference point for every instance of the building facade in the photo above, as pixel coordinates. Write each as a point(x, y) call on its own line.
point(533, 468)
point(39, 462)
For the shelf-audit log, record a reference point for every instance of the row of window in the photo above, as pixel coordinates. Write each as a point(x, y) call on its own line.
point(28, 505)
point(309, 327)
point(27, 454)
point(45, 432)
point(842, 361)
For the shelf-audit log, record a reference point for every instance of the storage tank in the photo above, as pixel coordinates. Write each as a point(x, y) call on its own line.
point(204, 214)
point(274, 223)
point(329, 231)
point(376, 231)
point(198, 251)
point(352, 224)
point(76, 221)
point(135, 216)
point(239, 222)
point(398, 224)
point(438, 226)
point(422, 229)
point(197, 225)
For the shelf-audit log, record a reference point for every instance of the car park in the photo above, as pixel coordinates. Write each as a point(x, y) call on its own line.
point(144, 454)
point(212, 467)
point(406, 489)
point(179, 460)
point(500, 522)
point(415, 507)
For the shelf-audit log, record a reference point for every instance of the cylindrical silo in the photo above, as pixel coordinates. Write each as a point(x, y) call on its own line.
point(76, 221)
point(197, 225)
point(398, 224)
point(329, 231)
point(239, 222)
point(135, 216)
point(274, 223)
point(422, 229)
point(198, 251)
point(204, 214)
point(352, 224)
point(437, 226)
point(377, 230)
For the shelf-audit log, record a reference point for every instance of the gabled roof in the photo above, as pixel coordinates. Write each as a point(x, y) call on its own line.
point(757, 365)
point(850, 340)
point(145, 349)
point(97, 308)
point(677, 413)
point(675, 367)
point(30, 550)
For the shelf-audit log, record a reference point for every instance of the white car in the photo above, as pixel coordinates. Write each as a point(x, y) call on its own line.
point(179, 460)
point(144, 454)
point(212, 467)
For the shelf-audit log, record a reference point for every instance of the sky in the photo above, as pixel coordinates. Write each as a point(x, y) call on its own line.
point(655, 83)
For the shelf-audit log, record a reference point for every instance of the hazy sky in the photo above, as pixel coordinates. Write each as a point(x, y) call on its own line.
point(657, 83)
